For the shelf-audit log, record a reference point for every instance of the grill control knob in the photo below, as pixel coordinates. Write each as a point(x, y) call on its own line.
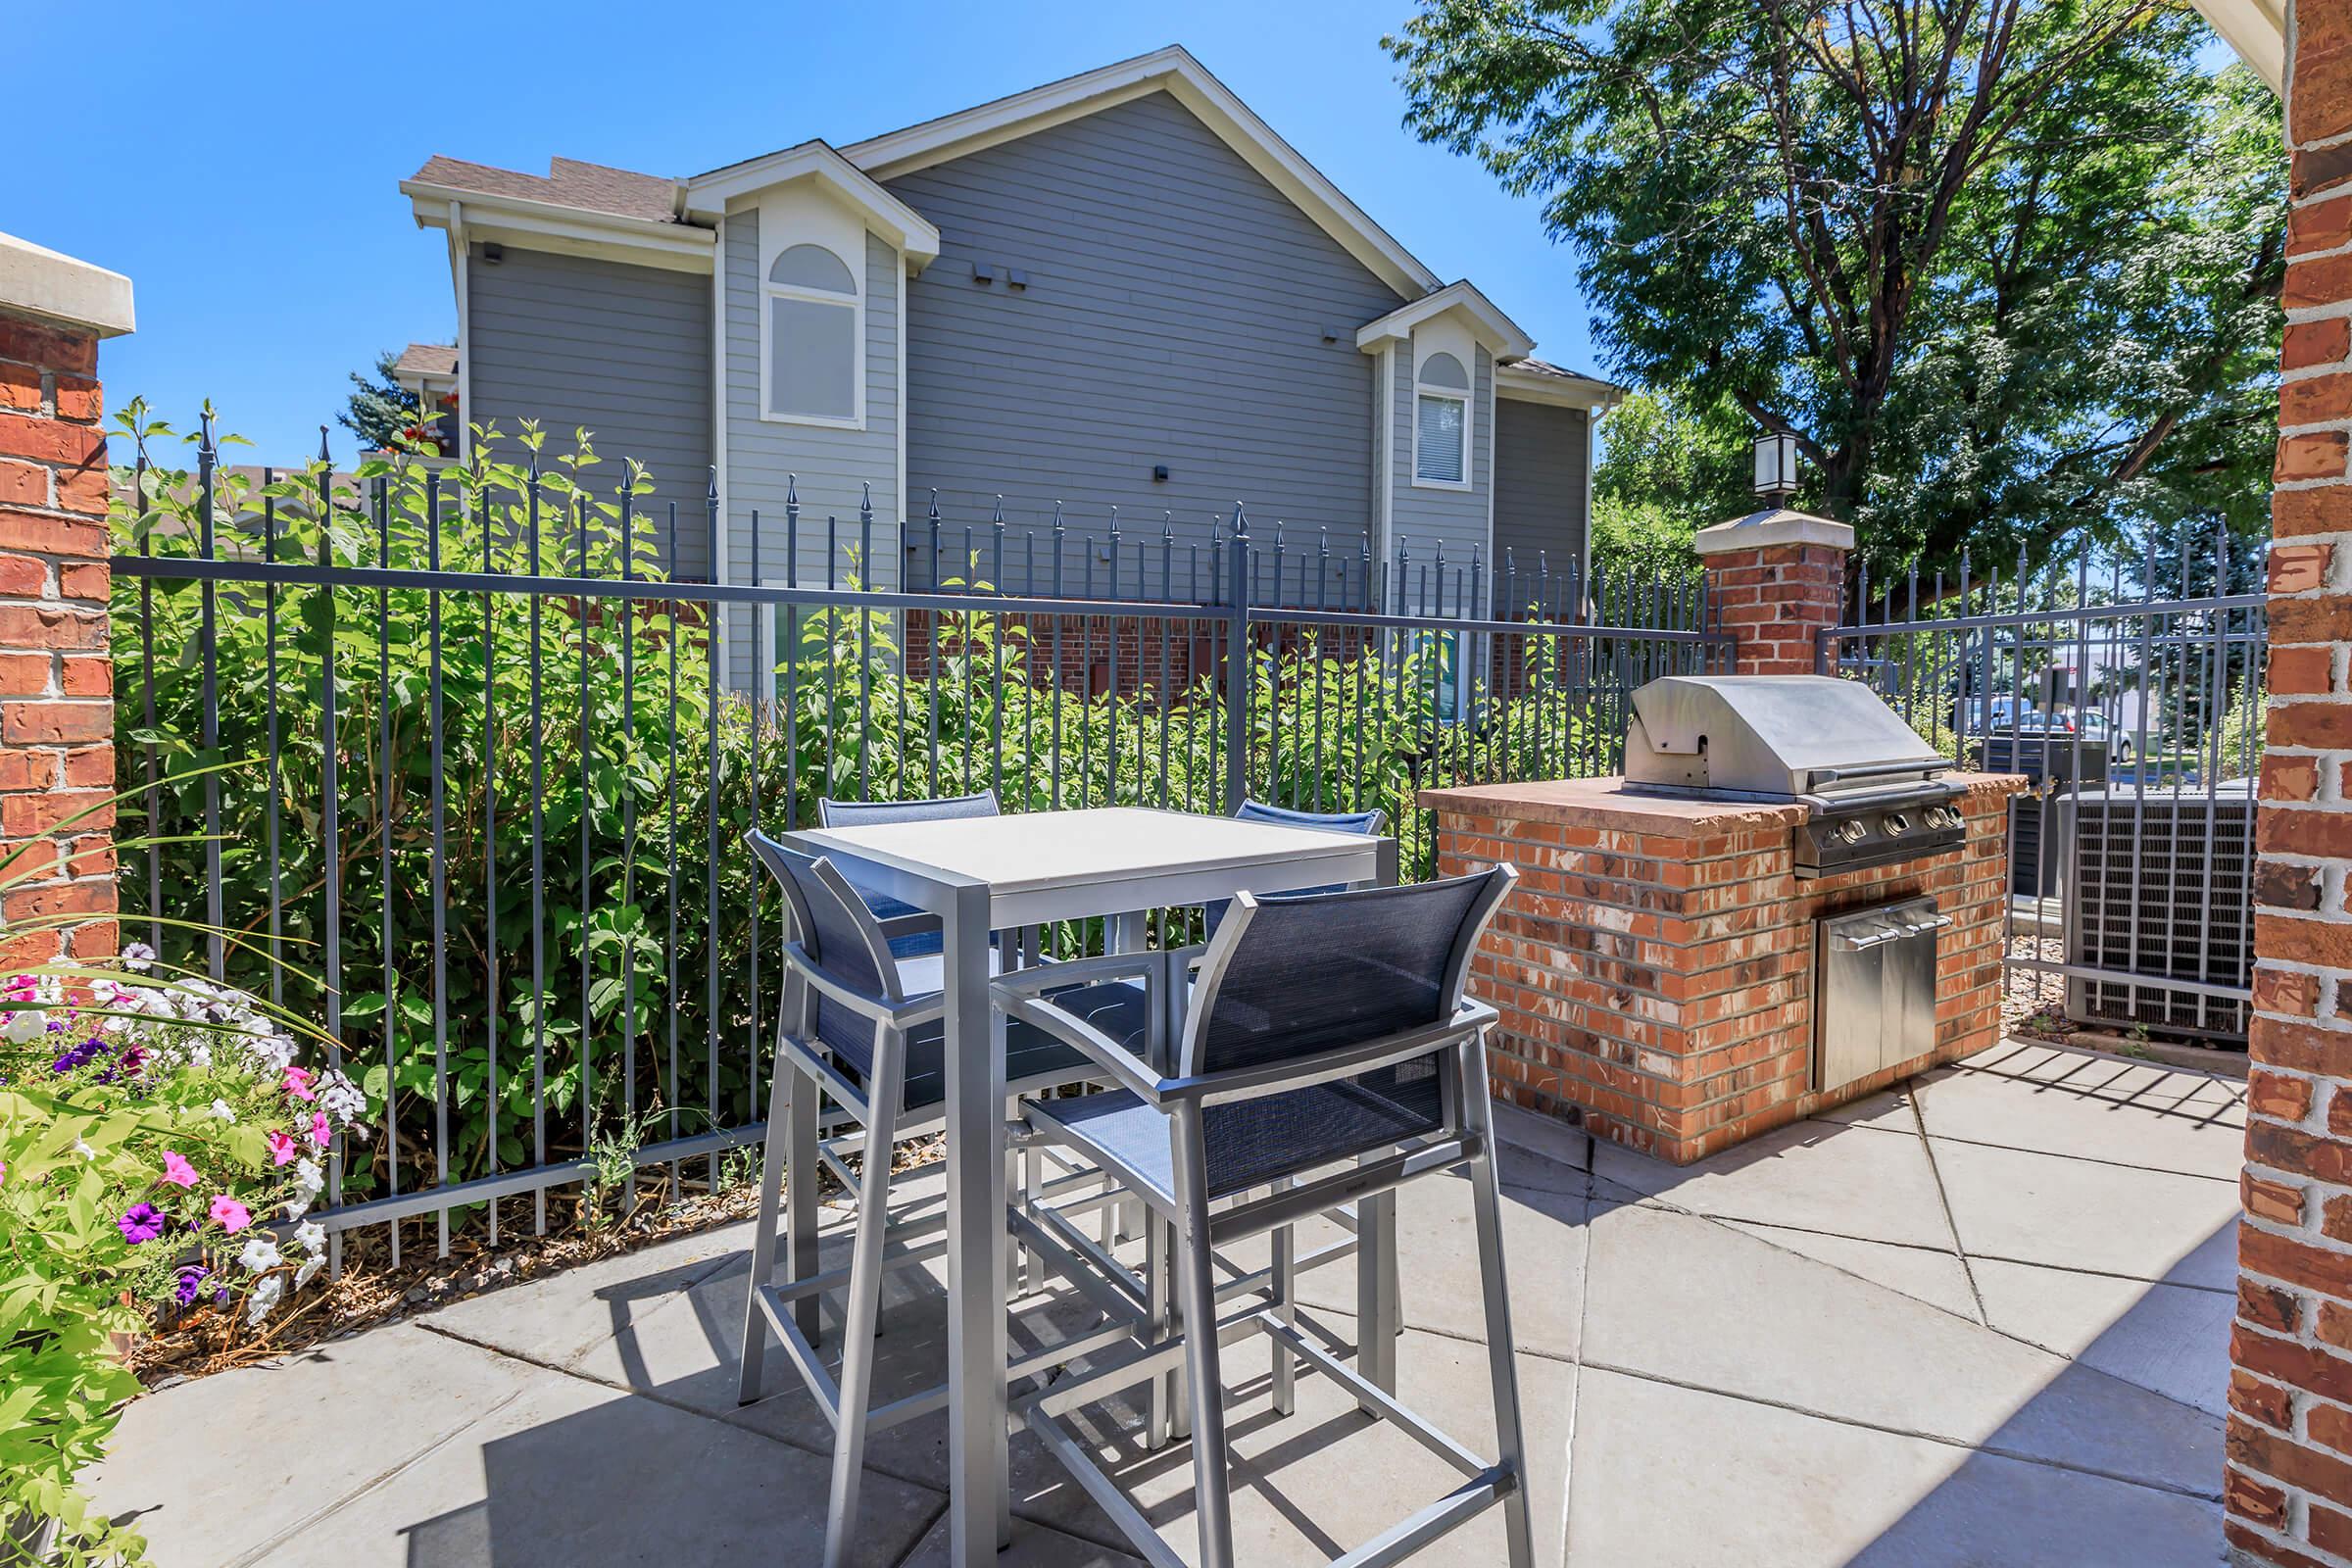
point(1895, 823)
point(1852, 832)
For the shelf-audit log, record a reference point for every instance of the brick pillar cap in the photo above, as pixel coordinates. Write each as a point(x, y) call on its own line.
point(39, 282)
point(1761, 530)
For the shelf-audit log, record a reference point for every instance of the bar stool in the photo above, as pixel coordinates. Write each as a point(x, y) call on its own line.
point(852, 1030)
point(1326, 1043)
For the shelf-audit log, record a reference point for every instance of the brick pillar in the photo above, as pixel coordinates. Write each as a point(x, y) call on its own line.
point(2288, 1484)
point(1775, 578)
point(57, 712)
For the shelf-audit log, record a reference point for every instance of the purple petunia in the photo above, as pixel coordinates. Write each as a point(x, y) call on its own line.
point(191, 1282)
point(78, 1055)
point(141, 1222)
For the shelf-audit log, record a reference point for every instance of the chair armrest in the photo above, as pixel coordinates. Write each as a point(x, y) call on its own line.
point(1344, 1062)
point(909, 925)
point(1067, 973)
point(1122, 1064)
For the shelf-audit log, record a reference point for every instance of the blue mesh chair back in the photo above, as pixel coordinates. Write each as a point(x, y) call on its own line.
point(1369, 823)
point(839, 935)
point(868, 813)
point(1313, 972)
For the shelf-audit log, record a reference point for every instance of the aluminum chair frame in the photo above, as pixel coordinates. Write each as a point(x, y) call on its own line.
point(875, 1105)
point(1463, 1138)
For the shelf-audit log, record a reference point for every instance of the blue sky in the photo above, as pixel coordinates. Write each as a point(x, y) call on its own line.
point(249, 155)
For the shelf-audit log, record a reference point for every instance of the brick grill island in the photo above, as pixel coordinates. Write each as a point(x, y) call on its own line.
point(1655, 967)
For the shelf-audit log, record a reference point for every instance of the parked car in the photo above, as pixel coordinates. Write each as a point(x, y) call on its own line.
point(2008, 716)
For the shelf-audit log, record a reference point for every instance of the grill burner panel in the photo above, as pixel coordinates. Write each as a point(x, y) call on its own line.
point(1867, 781)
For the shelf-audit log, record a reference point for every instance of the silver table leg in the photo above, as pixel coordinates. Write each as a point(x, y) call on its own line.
point(979, 1502)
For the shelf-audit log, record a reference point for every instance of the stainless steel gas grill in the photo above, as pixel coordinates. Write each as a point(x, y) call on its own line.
point(1870, 786)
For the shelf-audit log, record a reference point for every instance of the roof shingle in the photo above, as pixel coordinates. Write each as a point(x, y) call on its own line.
point(568, 182)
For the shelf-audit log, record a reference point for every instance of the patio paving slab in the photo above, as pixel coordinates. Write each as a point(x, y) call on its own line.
point(1934, 1275)
point(220, 1467)
point(2160, 1337)
point(2175, 1121)
point(572, 1474)
point(1033, 1546)
point(1811, 1175)
point(1700, 1304)
point(551, 1318)
point(2085, 1215)
point(1670, 1477)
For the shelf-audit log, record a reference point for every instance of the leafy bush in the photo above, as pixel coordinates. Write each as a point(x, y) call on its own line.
point(620, 991)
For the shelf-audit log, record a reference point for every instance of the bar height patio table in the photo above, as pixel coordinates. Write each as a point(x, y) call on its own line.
point(985, 874)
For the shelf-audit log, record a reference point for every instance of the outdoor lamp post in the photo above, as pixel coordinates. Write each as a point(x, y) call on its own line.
point(1775, 466)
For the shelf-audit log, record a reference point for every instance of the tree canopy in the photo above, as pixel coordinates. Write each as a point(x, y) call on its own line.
point(379, 411)
point(1666, 472)
point(2007, 269)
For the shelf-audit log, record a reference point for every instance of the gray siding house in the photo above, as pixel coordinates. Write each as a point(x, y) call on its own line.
point(1122, 289)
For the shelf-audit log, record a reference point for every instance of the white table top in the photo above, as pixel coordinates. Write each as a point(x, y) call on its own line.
point(1112, 843)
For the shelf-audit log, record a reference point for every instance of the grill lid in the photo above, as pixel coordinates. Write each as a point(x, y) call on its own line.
point(1772, 737)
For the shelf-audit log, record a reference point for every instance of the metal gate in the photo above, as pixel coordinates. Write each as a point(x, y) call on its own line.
point(2127, 687)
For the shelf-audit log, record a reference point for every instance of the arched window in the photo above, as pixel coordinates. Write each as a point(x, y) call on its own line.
point(816, 334)
point(1441, 422)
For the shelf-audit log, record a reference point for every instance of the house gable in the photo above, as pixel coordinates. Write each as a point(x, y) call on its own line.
point(1173, 309)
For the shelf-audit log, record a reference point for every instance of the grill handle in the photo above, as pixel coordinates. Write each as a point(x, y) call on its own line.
point(1819, 776)
point(1893, 794)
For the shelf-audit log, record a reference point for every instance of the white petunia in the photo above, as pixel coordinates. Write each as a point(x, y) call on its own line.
point(307, 1172)
point(137, 956)
point(298, 1206)
point(311, 1236)
point(259, 1254)
point(302, 1275)
point(84, 1149)
point(264, 1296)
point(221, 1112)
point(26, 1024)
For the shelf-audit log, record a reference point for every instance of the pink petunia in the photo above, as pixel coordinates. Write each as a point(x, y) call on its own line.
point(283, 1150)
point(232, 1215)
point(177, 1171)
point(321, 1132)
point(298, 1083)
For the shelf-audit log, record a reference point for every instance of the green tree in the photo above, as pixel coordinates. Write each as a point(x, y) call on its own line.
point(2007, 268)
point(1666, 470)
point(379, 411)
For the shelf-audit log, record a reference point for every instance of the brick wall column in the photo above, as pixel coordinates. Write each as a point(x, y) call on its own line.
point(1775, 578)
point(2288, 1483)
point(57, 713)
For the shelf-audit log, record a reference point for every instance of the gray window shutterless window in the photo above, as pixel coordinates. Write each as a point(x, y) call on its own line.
point(812, 327)
point(1441, 421)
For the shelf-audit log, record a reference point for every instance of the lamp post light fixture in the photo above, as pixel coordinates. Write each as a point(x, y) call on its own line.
point(1775, 466)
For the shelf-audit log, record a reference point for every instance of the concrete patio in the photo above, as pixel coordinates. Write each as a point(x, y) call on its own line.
point(1984, 1320)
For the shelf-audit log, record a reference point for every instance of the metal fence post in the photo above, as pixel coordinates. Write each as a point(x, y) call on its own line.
point(1237, 664)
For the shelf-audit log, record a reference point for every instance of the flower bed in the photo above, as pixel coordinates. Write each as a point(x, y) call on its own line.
point(162, 1143)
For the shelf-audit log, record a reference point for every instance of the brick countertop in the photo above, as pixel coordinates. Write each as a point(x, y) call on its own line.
point(1606, 803)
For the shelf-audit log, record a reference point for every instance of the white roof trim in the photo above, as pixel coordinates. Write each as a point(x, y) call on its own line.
point(708, 195)
point(2257, 30)
point(568, 230)
point(1566, 392)
point(1498, 331)
point(1175, 72)
point(57, 287)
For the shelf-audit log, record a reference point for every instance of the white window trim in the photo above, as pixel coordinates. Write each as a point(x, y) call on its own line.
point(769, 291)
point(1468, 400)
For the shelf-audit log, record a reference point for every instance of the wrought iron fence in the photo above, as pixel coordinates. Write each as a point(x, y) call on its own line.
point(492, 759)
point(2128, 686)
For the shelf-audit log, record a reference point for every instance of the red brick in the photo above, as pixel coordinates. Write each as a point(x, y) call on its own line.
point(2279, 885)
point(78, 397)
point(23, 485)
point(98, 939)
point(54, 441)
point(2333, 1325)
point(55, 348)
point(2330, 1424)
point(23, 950)
point(2277, 1201)
point(2328, 1530)
point(2315, 400)
point(88, 676)
point(20, 388)
point(50, 535)
point(2325, 280)
point(66, 898)
point(2319, 108)
point(2308, 343)
point(2298, 513)
point(2275, 1257)
point(85, 490)
point(2257, 1500)
point(85, 810)
point(42, 723)
point(2267, 1305)
point(2307, 1469)
point(2301, 671)
point(2262, 1549)
point(50, 626)
point(2289, 778)
point(2301, 1047)
point(2317, 456)
point(89, 767)
point(91, 579)
point(2335, 1218)
point(2301, 569)
point(2278, 1095)
point(2257, 1400)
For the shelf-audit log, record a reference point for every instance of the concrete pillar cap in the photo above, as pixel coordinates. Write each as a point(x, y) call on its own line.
point(1774, 525)
point(39, 282)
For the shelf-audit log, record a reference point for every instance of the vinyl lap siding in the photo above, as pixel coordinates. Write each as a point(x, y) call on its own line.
point(827, 467)
point(1539, 461)
point(1425, 521)
point(1175, 313)
point(621, 351)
